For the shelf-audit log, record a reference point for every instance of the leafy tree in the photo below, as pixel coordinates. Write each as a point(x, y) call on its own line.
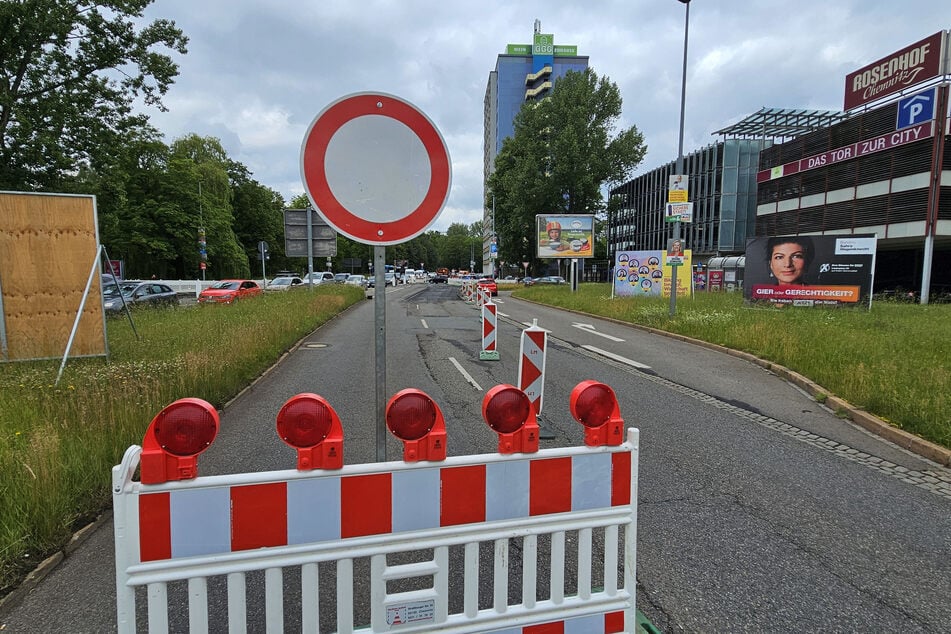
point(565, 149)
point(69, 74)
point(258, 215)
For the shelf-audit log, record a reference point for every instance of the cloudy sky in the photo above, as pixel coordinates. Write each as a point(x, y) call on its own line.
point(258, 72)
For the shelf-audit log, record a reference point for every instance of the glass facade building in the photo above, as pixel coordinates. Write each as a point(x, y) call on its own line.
point(722, 187)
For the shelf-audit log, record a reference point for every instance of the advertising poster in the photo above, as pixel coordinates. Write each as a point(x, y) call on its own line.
point(677, 188)
point(565, 236)
point(810, 270)
point(715, 280)
point(700, 280)
point(647, 274)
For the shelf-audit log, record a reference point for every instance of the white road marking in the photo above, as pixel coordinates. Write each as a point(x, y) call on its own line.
point(617, 357)
point(590, 328)
point(466, 375)
point(425, 325)
point(500, 314)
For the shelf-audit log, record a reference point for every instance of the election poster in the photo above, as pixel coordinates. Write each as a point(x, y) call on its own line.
point(828, 270)
point(648, 274)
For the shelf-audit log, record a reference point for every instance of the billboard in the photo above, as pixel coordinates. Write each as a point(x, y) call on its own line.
point(902, 69)
point(564, 236)
point(647, 274)
point(810, 270)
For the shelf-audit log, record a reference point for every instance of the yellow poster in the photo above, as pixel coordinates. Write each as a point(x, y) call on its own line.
point(684, 276)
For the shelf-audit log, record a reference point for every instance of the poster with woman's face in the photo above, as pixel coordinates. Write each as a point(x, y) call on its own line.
point(565, 236)
point(809, 270)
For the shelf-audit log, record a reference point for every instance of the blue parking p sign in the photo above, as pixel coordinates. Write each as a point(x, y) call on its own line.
point(916, 109)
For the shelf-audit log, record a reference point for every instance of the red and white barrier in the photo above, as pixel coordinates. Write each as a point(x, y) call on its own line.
point(531, 364)
point(489, 332)
point(208, 531)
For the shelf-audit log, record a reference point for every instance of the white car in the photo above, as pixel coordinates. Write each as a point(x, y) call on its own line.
point(325, 277)
point(283, 283)
point(357, 280)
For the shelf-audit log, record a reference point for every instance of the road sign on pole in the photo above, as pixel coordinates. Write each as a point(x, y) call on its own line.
point(378, 171)
point(376, 168)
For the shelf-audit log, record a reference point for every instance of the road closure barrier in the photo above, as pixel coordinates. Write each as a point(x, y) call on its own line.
point(523, 540)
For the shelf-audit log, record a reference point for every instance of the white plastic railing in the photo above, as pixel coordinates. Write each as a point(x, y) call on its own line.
point(402, 542)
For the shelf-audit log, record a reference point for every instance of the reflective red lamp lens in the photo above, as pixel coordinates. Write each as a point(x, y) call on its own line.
point(415, 419)
point(186, 428)
point(175, 438)
point(509, 412)
point(594, 405)
point(310, 425)
point(410, 416)
point(304, 422)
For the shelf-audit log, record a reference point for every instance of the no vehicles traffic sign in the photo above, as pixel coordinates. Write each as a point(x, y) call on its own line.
point(376, 168)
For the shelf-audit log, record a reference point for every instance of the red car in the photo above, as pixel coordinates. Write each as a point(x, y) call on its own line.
point(229, 291)
point(488, 284)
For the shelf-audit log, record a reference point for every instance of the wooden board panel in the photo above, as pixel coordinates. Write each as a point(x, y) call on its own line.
point(48, 245)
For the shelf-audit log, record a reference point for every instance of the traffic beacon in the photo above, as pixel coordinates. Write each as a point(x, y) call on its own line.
point(415, 419)
point(510, 413)
point(175, 438)
point(310, 425)
point(594, 405)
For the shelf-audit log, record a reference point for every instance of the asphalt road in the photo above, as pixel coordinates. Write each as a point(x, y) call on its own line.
point(759, 510)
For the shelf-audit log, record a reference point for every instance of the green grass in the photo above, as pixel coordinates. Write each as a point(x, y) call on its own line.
point(893, 361)
point(58, 443)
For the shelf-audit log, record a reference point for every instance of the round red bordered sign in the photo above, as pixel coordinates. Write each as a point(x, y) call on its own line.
point(376, 168)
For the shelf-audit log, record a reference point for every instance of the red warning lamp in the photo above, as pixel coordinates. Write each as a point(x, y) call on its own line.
point(174, 439)
point(415, 419)
point(510, 413)
point(594, 405)
point(310, 425)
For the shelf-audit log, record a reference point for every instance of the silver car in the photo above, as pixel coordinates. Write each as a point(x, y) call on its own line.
point(137, 294)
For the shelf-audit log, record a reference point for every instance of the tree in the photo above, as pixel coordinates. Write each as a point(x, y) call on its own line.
point(565, 149)
point(69, 74)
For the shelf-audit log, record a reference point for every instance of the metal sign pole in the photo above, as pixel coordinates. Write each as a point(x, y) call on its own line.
point(680, 153)
point(379, 320)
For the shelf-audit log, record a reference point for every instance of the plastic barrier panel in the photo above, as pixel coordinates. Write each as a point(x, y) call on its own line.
point(516, 542)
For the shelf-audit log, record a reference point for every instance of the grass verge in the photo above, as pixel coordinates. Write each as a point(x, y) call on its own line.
point(893, 361)
point(58, 442)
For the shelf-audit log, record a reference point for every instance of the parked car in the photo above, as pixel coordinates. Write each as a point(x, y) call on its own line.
point(551, 279)
point(357, 280)
point(137, 294)
point(284, 283)
point(488, 284)
point(528, 281)
point(229, 291)
point(319, 277)
point(388, 280)
point(341, 278)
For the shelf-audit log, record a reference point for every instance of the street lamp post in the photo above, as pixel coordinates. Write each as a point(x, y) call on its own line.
point(680, 152)
point(202, 240)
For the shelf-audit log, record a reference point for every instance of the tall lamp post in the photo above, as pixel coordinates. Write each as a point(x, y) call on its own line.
point(202, 240)
point(680, 152)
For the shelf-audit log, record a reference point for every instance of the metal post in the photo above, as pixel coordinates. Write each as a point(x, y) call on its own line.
point(680, 154)
point(379, 312)
point(201, 217)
